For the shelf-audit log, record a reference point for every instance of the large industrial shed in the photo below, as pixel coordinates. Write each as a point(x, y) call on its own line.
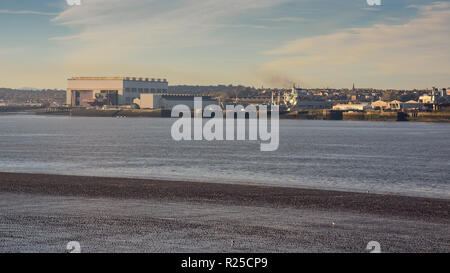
point(86, 91)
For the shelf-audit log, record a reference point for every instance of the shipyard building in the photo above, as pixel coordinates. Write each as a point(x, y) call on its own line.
point(97, 91)
point(168, 101)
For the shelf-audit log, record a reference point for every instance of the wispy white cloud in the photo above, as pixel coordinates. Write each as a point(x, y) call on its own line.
point(371, 9)
point(185, 40)
point(109, 33)
point(248, 26)
point(141, 18)
point(286, 19)
point(65, 38)
point(381, 53)
point(27, 12)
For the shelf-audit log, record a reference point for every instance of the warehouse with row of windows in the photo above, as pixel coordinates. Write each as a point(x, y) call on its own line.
point(96, 91)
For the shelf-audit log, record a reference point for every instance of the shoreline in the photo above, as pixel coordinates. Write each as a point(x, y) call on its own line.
point(154, 114)
point(225, 193)
point(243, 183)
point(438, 117)
point(42, 213)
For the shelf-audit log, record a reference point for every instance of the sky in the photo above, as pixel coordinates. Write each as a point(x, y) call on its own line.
point(401, 44)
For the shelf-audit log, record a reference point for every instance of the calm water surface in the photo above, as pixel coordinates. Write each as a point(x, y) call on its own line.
point(408, 158)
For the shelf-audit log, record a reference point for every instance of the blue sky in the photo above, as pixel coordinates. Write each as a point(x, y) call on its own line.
point(315, 43)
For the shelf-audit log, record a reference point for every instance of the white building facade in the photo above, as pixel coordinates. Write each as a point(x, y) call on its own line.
point(86, 91)
point(168, 101)
point(352, 107)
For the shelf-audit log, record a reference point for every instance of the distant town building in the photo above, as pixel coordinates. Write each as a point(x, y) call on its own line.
point(352, 107)
point(168, 101)
point(437, 96)
point(312, 104)
point(148, 101)
point(85, 91)
point(409, 105)
point(395, 105)
point(426, 99)
point(380, 105)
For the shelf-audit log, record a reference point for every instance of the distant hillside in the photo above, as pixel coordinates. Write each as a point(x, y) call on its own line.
point(49, 96)
point(203, 88)
point(16, 96)
point(214, 90)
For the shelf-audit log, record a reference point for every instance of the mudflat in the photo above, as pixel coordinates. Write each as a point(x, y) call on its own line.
point(42, 213)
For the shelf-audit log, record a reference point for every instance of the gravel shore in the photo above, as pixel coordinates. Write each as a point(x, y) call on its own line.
point(41, 213)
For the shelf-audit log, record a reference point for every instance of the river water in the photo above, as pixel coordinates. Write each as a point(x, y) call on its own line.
point(387, 157)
